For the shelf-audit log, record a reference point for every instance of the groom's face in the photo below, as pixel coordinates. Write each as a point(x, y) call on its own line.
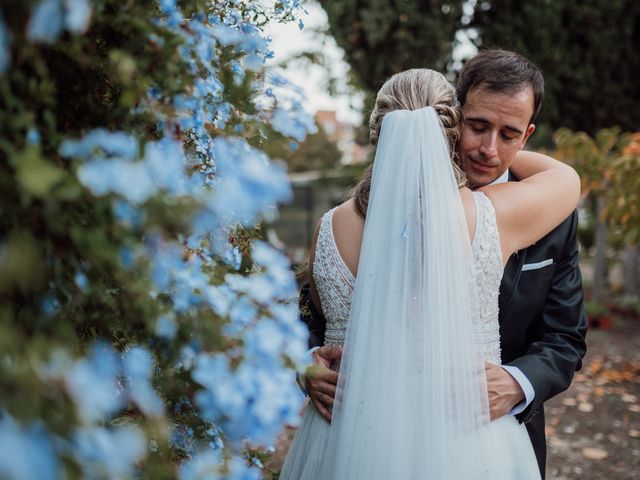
point(495, 127)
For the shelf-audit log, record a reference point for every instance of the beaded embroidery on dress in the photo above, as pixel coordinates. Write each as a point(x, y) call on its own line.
point(488, 268)
point(334, 282)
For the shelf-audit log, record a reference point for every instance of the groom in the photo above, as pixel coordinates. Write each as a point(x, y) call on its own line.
point(542, 319)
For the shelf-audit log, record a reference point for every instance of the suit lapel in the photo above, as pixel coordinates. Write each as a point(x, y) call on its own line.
point(511, 275)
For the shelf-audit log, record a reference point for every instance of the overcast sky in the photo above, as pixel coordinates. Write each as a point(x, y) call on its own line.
point(288, 40)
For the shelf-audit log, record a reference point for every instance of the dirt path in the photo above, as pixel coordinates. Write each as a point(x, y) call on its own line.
point(593, 429)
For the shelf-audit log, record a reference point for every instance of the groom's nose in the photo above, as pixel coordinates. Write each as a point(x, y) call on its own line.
point(488, 147)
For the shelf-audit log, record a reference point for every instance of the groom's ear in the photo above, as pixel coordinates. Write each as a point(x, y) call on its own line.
point(530, 129)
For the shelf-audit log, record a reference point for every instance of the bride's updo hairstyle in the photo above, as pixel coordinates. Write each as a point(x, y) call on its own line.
point(412, 90)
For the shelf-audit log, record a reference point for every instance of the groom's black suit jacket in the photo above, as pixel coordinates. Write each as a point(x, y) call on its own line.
point(542, 321)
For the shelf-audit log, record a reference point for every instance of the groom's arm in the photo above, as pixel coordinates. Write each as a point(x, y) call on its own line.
point(557, 352)
point(312, 317)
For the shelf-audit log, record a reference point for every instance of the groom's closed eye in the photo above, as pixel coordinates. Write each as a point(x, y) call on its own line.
point(481, 125)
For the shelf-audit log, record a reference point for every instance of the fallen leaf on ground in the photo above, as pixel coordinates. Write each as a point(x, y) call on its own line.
point(634, 408)
point(594, 453)
point(628, 398)
point(634, 433)
point(585, 407)
point(595, 366)
point(569, 402)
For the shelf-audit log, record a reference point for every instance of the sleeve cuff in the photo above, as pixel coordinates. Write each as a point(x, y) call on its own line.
point(525, 384)
point(299, 378)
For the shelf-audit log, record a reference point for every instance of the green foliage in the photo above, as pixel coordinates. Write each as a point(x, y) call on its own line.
point(316, 152)
point(609, 167)
point(587, 51)
point(382, 38)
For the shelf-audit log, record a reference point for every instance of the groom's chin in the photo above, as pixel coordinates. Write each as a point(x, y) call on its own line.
point(477, 181)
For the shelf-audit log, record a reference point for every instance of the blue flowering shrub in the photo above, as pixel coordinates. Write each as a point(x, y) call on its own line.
point(146, 329)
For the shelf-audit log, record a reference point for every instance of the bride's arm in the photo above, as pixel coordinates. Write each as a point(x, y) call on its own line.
point(527, 210)
point(527, 164)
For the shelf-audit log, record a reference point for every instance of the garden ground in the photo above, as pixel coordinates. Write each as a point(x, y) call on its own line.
point(593, 429)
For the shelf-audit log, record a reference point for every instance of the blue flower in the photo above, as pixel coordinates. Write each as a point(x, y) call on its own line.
point(252, 401)
point(108, 453)
point(26, 452)
point(239, 470)
point(127, 257)
point(288, 124)
point(219, 298)
point(227, 35)
point(243, 313)
point(264, 342)
point(77, 15)
point(92, 383)
point(81, 281)
point(5, 46)
point(202, 466)
point(166, 327)
point(248, 185)
point(167, 6)
point(128, 179)
point(33, 136)
point(233, 258)
point(46, 22)
point(117, 144)
point(127, 214)
point(50, 304)
point(253, 62)
point(165, 161)
point(50, 17)
point(138, 369)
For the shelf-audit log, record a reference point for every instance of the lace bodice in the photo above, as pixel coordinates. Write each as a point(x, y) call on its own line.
point(487, 261)
point(335, 282)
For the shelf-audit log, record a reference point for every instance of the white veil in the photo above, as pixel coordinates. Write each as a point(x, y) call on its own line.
point(411, 392)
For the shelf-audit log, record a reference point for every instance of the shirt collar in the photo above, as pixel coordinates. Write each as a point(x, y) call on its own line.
point(502, 178)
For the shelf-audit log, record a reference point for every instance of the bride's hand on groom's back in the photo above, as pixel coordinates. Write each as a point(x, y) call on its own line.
point(320, 381)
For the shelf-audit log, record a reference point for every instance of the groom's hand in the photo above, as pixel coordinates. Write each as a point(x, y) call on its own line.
point(320, 381)
point(504, 392)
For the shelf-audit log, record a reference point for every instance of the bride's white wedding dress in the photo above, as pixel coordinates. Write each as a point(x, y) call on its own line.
point(510, 445)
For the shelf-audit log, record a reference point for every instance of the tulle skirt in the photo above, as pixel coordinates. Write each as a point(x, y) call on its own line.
point(505, 443)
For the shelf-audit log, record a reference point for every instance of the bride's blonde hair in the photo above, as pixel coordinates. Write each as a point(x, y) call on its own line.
point(411, 90)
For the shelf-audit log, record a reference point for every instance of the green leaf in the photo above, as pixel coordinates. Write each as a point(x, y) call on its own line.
point(36, 175)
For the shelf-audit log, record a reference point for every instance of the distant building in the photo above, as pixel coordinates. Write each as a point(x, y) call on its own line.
point(344, 135)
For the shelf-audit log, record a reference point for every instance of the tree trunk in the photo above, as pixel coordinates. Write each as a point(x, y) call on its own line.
point(631, 271)
point(599, 264)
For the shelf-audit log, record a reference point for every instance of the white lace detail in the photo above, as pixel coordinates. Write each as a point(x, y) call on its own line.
point(487, 257)
point(334, 282)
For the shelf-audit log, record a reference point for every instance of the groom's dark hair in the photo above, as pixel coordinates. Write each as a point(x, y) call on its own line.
point(501, 71)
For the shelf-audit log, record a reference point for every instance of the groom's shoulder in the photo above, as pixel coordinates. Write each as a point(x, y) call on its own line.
point(562, 234)
point(561, 239)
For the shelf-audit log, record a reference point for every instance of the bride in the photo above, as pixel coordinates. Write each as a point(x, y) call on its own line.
point(412, 294)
